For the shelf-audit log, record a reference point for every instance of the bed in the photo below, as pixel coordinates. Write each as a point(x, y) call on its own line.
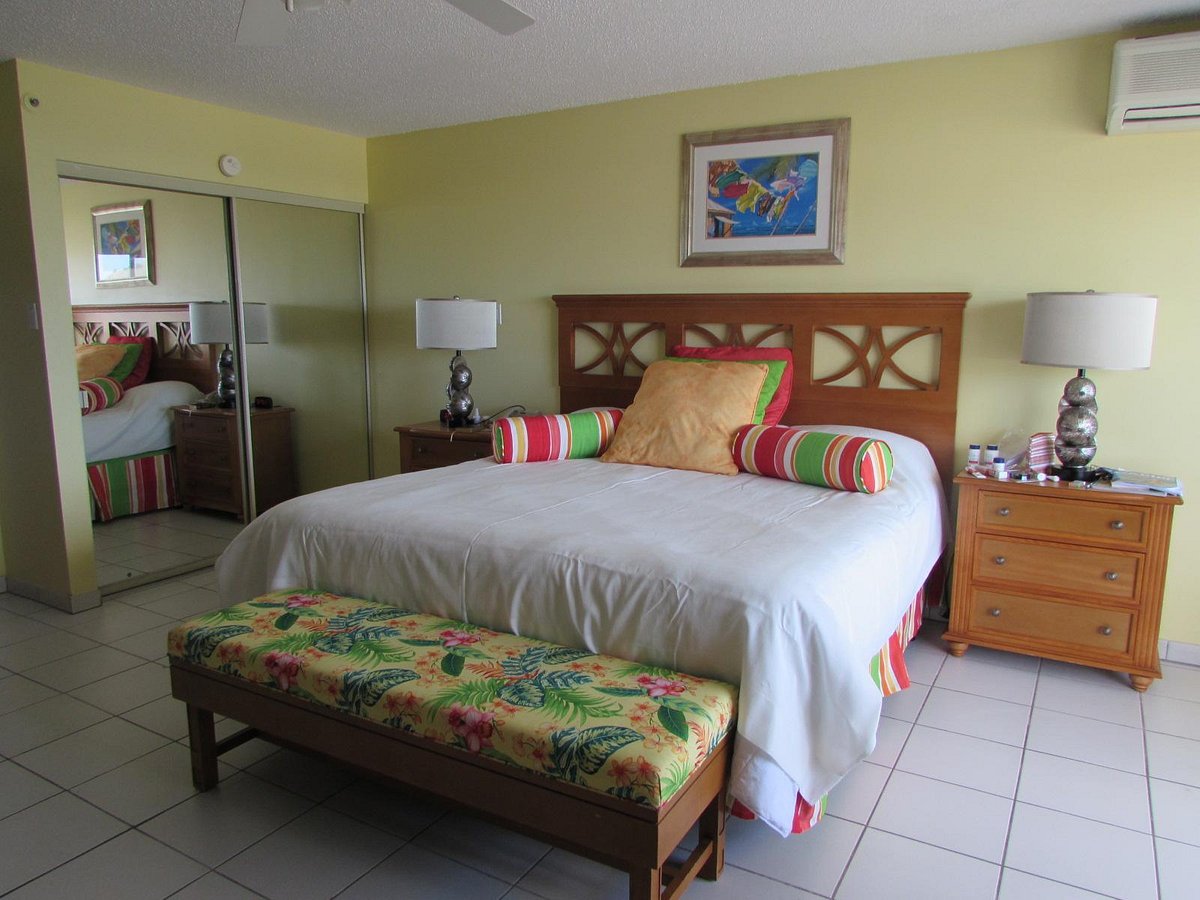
point(130, 463)
point(791, 591)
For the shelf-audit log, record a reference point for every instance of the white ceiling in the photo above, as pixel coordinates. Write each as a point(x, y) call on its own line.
point(388, 66)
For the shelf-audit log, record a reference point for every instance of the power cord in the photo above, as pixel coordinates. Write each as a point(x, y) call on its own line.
point(516, 409)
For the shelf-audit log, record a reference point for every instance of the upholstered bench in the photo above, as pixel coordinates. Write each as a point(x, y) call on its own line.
point(605, 757)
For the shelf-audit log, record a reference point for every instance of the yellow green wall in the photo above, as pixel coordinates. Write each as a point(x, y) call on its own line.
point(27, 470)
point(189, 245)
point(97, 122)
point(989, 173)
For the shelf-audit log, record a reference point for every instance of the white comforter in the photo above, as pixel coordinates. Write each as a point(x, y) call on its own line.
point(785, 589)
point(139, 423)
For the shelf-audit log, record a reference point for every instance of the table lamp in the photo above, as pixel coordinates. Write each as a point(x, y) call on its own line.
point(211, 323)
point(457, 324)
point(1085, 331)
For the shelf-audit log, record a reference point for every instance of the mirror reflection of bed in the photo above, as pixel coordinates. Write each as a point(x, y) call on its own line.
point(140, 530)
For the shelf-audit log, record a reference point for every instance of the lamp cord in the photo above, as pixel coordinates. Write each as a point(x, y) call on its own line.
point(516, 409)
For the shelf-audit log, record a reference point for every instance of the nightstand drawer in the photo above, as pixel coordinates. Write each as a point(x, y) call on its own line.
point(199, 454)
point(1101, 573)
point(208, 428)
point(1051, 514)
point(213, 490)
point(432, 453)
point(1027, 617)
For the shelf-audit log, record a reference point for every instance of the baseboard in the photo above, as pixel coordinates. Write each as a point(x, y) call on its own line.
point(1179, 652)
point(71, 603)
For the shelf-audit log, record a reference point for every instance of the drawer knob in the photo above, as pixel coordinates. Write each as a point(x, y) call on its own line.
point(1106, 630)
point(1000, 560)
point(1111, 576)
point(1003, 511)
point(1117, 524)
point(418, 450)
point(994, 612)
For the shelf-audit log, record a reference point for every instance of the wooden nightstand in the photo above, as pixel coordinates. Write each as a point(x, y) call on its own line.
point(1062, 572)
point(206, 454)
point(431, 445)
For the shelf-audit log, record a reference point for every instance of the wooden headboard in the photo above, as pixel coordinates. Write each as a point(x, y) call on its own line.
point(854, 353)
point(176, 358)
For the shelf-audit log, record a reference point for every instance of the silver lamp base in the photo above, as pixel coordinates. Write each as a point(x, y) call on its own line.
point(226, 380)
point(459, 402)
point(1075, 441)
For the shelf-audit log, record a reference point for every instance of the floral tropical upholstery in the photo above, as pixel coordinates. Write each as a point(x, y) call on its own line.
point(633, 731)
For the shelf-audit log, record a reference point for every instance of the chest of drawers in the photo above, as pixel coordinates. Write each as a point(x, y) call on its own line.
point(1061, 572)
point(207, 458)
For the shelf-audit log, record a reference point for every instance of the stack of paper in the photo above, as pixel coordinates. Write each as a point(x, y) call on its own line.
point(1131, 482)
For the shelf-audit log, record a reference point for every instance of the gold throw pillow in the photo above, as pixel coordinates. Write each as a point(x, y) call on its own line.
point(685, 415)
point(97, 360)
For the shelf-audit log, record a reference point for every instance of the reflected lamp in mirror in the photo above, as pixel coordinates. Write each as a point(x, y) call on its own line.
point(457, 324)
point(212, 323)
point(1084, 331)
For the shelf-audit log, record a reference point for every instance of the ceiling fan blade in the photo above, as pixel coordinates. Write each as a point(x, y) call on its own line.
point(495, 14)
point(263, 24)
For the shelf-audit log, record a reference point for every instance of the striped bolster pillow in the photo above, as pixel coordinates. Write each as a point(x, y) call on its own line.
point(840, 461)
point(99, 393)
point(542, 438)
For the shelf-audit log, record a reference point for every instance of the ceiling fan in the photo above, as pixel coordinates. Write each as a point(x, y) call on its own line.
point(264, 22)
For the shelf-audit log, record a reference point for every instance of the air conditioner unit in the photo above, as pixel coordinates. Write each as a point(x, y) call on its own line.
point(1155, 84)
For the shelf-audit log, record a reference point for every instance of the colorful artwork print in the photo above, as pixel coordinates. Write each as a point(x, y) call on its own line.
point(763, 196)
point(774, 195)
point(124, 245)
point(122, 238)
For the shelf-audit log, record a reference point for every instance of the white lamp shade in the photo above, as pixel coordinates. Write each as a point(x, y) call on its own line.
point(457, 324)
point(258, 330)
point(211, 323)
point(1089, 330)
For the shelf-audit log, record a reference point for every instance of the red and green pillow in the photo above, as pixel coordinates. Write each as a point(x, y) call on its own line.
point(99, 393)
point(579, 435)
point(776, 390)
point(141, 366)
point(110, 360)
point(842, 461)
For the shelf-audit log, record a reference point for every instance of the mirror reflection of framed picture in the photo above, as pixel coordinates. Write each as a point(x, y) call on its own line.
point(123, 238)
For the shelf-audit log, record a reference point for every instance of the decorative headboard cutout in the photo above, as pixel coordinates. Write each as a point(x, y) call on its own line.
point(887, 361)
point(176, 357)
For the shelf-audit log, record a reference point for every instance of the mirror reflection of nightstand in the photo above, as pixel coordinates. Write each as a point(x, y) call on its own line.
point(206, 457)
point(431, 445)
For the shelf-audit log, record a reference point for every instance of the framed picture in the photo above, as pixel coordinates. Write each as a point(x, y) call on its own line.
point(124, 243)
point(774, 195)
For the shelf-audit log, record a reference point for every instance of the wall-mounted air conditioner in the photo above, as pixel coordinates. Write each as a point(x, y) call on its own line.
point(1155, 84)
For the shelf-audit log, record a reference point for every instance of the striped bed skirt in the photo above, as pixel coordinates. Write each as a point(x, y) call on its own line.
point(133, 484)
point(890, 675)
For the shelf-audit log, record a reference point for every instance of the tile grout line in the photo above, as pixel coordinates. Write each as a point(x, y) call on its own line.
point(866, 825)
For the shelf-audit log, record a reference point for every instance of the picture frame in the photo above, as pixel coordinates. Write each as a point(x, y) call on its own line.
point(773, 195)
point(123, 244)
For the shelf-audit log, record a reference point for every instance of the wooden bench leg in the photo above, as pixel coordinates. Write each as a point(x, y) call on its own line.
point(712, 828)
point(202, 738)
point(645, 884)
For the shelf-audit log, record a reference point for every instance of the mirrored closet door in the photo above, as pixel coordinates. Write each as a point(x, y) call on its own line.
point(300, 283)
point(136, 258)
point(277, 288)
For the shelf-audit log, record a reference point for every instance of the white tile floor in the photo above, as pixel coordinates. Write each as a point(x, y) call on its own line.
point(134, 546)
point(995, 776)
